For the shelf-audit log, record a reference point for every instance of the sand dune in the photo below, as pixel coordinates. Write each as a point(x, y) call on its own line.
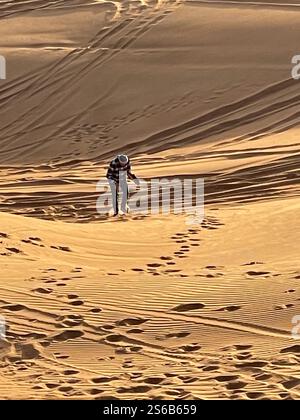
point(147, 306)
point(215, 320)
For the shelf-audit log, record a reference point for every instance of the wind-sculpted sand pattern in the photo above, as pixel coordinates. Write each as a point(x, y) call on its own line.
point(148, 306)
point(47, 193)
point(59, 79)
point(59, 314)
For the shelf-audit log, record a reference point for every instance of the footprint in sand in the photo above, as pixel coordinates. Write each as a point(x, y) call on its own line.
point(170, 270)
point(210, 368)
point(35, 336)
point(95, 391)
point(242, 347)
point(36, 239)
point(179, 234)
point(14, 308)
point(253, 263)
point(283, 306)
point(262, 377)
point(231, 308)
point(188, 307)
point(76, 270)
point(236, 385)
point(190, 347)
point(140, 389)
point(106, 397)
point(251, 365)
point(292, 349)
point(45, 343)
point(51, 385)
point(33, 241)
point(72, 322)
point(15, 250)
point(65, 389)
point(75, 317)
point(135, 331)
point(187, 379)
point(226, 378)
point(131, 321)
point(292, 383)
point(61, 248)
point(172, 393)
point(154, 380)
point(114, 338)
point(243, 356)
point(68, 335)
point(108, 327)
point(77, 302)
point(257, 273)
point(73, 296)
point(27, 241)
point(104, 379)
point(255, 395)
point(68, 372)
point(154, 265)
point(42, 290)
point(37, 387)
point(96, 310)
point(73, 380)
point(132, 349)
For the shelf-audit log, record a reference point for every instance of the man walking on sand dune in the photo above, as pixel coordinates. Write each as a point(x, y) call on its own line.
point(117, 173)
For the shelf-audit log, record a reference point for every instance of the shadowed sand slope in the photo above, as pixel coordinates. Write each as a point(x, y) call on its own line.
point(180, 87)
point(148, 306)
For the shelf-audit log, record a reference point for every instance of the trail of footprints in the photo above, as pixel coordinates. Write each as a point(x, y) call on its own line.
point(237, 373)
point(7, 251)
point(93, 133)
point(234, 372)
point(186, 241)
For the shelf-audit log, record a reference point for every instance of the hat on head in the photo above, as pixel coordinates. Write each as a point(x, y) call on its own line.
point(123, 159)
